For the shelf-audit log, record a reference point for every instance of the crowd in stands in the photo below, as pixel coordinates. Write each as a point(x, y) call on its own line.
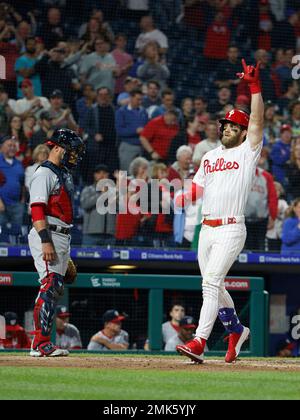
point(144, 83)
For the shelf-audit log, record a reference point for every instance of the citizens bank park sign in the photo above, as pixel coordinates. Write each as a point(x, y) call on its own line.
point(237, 284)
point(6, 279)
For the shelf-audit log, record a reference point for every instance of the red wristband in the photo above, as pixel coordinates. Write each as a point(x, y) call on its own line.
point(255, 88)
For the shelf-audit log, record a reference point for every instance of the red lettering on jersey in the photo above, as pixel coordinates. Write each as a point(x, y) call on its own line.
point(219, 166)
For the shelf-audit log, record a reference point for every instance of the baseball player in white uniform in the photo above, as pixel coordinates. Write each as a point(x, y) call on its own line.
point(112, 337)
point(185, 334)
point(225, 179)
point(67, 335)
point(171, 328)
point(51, 192)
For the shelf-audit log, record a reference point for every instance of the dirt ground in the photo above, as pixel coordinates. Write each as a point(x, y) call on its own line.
point(151, 363)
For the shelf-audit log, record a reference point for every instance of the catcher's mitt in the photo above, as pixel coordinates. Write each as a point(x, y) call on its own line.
point(71, 273)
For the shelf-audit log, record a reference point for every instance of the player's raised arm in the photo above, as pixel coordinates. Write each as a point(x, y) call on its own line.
point(256, 124)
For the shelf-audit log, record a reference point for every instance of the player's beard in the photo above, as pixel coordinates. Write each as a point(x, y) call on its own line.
point(232, 141)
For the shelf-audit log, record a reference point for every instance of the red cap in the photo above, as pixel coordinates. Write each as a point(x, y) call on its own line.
point(236, 117)
point(286, 127)
point(26, 83)
point(188, 323)
point(62, 312)
point(113, 316)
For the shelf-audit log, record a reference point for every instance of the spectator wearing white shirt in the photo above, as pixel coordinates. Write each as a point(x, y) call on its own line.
point(60, 114)
point(40, 155)
point(100, 68)
point(137, 8)
point(153, 68)
point(278, 8)
point(30, 104)
point(210, 143)
point(151, 34)
point(171, 328)
point(187, 328)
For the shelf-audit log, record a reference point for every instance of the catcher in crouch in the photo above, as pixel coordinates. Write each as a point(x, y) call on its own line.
point(51, 192)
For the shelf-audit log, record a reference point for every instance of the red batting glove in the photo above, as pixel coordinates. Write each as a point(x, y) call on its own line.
point(251, 76)
point(191, 196)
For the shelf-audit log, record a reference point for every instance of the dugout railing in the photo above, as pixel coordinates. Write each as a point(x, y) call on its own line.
point(157, 285)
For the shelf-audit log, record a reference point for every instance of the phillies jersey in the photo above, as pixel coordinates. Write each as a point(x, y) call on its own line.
point(227, 176)
point(53, 186)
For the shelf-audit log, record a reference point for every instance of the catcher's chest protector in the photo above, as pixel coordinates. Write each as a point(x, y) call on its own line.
point(60, 201)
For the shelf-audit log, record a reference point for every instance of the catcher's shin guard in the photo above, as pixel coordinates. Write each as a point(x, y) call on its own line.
point(51, 290)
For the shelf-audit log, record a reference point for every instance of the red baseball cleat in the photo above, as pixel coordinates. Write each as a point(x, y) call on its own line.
point(193, 350)
point(235, 343)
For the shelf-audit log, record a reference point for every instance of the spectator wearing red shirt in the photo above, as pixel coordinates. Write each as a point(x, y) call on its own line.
point(16, 337)
point(189, 136)
point(265, 26)
point(128, 225)
point(157, 136)
point(162, 223)
point(194, 14)
point(10, 51)
point(217, 41)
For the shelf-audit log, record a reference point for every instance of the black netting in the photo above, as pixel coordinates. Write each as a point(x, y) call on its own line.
point(87, 307)
point(184, 60)
point(192, 302)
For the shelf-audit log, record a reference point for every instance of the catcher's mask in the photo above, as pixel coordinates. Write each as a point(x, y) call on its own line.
point(73, 145)
point(236, 117)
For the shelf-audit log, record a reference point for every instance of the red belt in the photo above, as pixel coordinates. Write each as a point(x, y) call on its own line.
point(220, 222)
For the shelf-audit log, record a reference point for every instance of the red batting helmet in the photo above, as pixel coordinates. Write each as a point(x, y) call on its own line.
point(236, 117)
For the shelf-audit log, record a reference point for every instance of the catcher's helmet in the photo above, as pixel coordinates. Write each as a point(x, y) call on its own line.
point(73, 145)
point(237, 117)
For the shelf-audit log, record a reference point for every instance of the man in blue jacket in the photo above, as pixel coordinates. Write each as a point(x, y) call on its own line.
point(11, 183)
point(291, 230)
point(281, 154)
point(130, 121)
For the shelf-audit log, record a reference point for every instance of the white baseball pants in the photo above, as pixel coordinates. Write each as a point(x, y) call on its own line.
point(62, 247)
point(218, 249)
